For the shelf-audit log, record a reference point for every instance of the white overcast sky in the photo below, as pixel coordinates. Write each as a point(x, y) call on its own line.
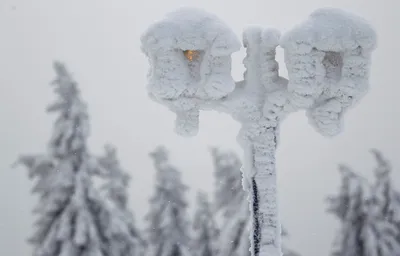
point(99, 41)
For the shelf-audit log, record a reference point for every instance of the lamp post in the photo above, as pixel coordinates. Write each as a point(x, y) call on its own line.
point(328, 62)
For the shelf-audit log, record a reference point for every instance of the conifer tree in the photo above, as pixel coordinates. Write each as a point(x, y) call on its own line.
point(387, 203)
point(122, 233)
point(350, 208)
point(230, 201)
point(69, 207)
point(364, 230)
point(168, 222)
point(204, 227)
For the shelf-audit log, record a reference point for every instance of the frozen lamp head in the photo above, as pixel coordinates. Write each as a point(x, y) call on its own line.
point(328, 60)
point(189, 51)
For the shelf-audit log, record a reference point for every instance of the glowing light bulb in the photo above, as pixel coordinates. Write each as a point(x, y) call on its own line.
point(191, 54)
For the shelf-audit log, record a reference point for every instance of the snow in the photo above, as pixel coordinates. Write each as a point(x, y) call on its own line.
point(331, 29)
point(184, 85)
point(168, 226)
point(118, 219)
point(63, 184)
point(365, 212)
point(230, 202)
point(193, 29)
point(73, 219)
point(205, 238)
point(328, 61)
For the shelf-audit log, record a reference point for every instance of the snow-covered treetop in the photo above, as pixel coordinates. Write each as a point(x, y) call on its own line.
point(65, 87)
point(168, 177)
point(384, 167)
point(71, 128)
point(168, 222)
point(330, 29)
point(351, 183)
point(369, 213)
point(229, 192)
point(111, 163)
point(159, 155)
point(191, 29)
point(117, 178)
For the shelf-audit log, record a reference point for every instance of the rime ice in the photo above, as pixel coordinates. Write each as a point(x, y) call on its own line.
point(182, 84)
point(328, 61)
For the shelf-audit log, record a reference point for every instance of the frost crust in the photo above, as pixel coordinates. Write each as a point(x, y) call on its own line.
point(185, 85)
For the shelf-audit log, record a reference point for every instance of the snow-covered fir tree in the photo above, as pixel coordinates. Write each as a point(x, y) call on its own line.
point(122, 233)
point(168, 219)
point(204, 227)
point(231, 203)
point(350, 208)
point(117, 179)
point(364, 230)
point(69, 207)
point(386, 200)
point(229, 192)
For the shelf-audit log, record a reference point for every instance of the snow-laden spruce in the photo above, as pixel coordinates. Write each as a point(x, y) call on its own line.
point(124, 238)
point(204, 228)
point(328, 60)
point(69, 207)
point(386, 195)
point(387, 201)
point(364, 212)
point(168, 230)
point(230, 205)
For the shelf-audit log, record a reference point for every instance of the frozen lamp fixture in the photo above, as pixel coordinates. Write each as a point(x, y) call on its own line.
point(328, 61)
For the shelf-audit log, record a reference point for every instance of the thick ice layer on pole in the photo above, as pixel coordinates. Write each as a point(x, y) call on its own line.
point(258, 136)
point(328, 61)
point(182, 82)
point(261, 83)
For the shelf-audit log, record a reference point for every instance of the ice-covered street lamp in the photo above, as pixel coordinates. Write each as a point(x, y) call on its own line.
point(328, 61)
